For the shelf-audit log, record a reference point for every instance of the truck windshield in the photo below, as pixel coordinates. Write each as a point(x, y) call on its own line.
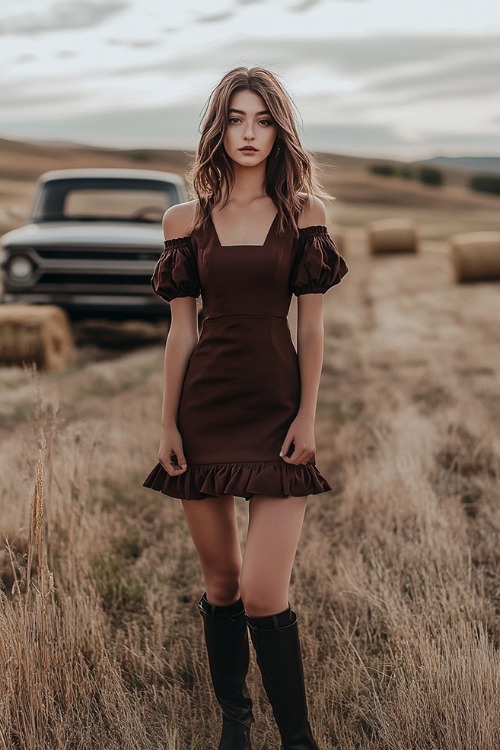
point(103, 199)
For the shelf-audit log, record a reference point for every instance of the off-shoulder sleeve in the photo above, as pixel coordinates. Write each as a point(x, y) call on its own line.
point(318, 265)
point(176, 273)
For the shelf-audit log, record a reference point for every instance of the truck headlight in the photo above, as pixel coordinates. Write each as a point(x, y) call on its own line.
point(20, 267)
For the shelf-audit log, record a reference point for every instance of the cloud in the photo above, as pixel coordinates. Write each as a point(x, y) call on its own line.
point(27, 57)
point(215, 17)
point(160, 127)
point(385, 70)
point(471, 141)
point(19, 100)
point(134, 43)
point(470, 77)
point(63, 15)
point(349, 56)
point(304, 5)
point(38, 95)
point(307, 4)
point(351, 135)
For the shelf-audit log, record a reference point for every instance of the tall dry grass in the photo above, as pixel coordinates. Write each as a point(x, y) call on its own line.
point(397, 576)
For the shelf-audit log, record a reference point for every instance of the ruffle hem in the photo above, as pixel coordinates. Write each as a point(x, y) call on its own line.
point(244, 479)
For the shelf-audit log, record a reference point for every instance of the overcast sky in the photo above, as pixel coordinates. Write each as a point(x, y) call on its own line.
point(384, 78)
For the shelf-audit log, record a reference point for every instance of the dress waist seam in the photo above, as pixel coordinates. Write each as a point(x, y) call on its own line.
point(236, 315)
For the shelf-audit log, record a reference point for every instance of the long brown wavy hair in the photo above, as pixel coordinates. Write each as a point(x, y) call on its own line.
point(290, 169)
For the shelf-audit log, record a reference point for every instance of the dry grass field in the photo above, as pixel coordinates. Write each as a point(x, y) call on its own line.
point(397, 578)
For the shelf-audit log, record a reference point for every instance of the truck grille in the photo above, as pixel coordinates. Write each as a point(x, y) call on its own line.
point(88, 270)
point(96, 253)
point(94, 282)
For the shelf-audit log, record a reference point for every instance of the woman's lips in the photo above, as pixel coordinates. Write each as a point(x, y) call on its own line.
point(249, 150)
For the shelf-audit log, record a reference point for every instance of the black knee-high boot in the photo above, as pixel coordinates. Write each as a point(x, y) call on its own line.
point(277, 647)
point(226, 638)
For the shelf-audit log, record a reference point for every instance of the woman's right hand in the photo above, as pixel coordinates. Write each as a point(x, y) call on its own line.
point(171, 449)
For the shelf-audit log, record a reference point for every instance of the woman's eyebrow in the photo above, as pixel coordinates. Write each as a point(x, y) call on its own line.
point(241, 112)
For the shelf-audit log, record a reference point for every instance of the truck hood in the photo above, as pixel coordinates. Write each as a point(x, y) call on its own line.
point(82, 233)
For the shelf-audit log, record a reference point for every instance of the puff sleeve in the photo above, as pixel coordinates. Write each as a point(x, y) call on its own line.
point(176, 273)
point(318, 265)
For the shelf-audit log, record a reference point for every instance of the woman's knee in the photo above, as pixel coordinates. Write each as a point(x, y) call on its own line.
point(223, 587)
point(260, 601)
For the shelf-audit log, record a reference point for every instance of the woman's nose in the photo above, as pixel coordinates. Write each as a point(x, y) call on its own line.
point(249, 131)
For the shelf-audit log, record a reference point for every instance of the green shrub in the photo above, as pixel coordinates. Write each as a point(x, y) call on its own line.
point(384, 169)
point(140, 154)
point(406, 173)
point(430, 176)
point(485, 183)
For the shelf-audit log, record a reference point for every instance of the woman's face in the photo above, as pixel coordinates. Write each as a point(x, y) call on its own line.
point(249, 125)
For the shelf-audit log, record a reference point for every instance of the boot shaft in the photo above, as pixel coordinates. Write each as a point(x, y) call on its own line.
point(226, 639)
point(277, 648)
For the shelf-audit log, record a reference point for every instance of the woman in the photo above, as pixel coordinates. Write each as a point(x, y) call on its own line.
point(239, 401)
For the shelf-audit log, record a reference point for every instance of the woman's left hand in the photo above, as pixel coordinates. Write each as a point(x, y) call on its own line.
point(301, 434)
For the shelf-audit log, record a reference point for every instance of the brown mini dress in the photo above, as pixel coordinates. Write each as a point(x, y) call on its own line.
point(241, 388)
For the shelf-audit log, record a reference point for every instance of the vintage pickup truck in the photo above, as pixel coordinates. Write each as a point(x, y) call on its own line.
point(91, 242)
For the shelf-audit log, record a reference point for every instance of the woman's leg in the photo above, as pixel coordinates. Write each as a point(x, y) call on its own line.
point(273, 535)
point(274, 529)
point(212, 523)
point(213, 529)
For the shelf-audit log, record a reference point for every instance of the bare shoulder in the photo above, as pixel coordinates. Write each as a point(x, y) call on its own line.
point(178, 219)
point(313, 213)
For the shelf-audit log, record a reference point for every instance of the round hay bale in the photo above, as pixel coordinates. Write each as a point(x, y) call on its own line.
point(40, 334)
point(392, 236)
point(475, 256)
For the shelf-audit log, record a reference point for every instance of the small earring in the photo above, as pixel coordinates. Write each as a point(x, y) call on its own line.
point(278, 148)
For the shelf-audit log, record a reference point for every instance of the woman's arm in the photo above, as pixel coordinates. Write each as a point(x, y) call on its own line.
point(310, 337)
point(181, 340)
point(310, 343)
point(310, 330)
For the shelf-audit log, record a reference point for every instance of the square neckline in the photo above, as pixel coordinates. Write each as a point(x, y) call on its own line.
point(268, 235)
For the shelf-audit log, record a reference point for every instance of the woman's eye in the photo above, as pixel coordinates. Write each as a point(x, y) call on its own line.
point(267, 122)
point(234, 119)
